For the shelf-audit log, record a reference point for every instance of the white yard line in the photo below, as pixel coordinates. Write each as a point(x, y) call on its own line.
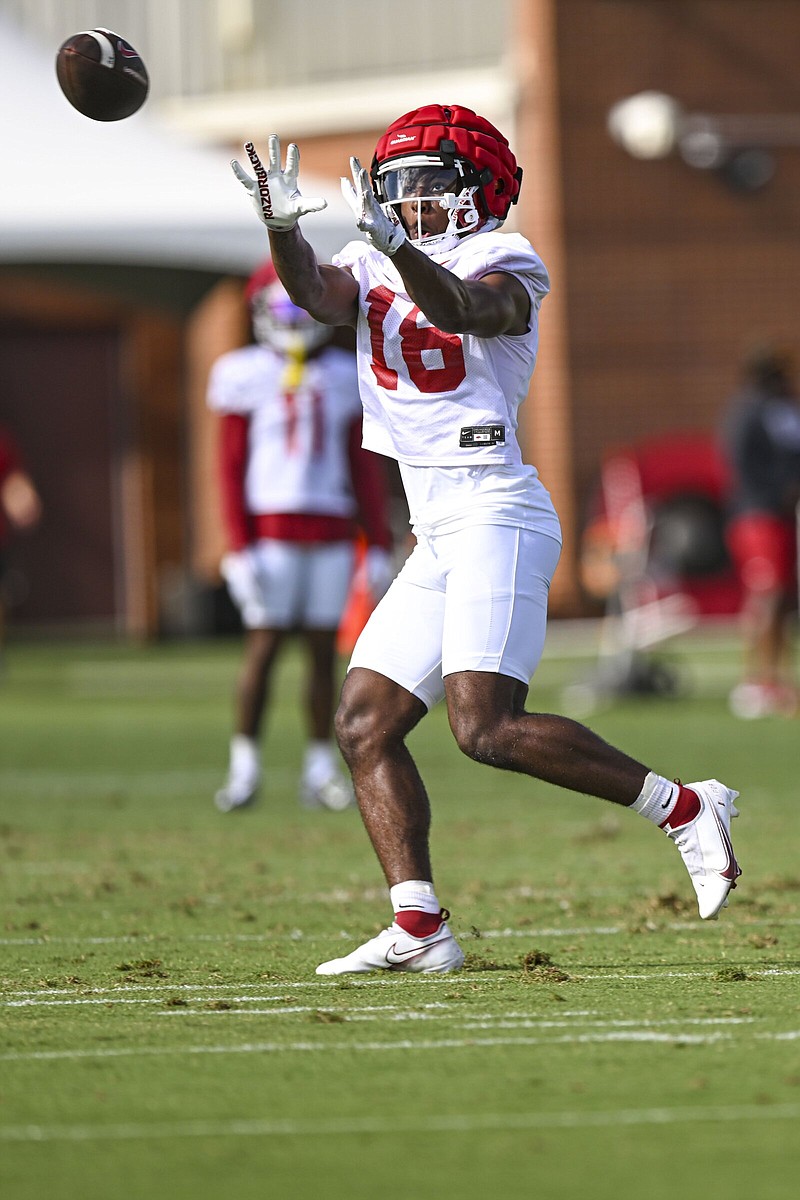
point(298, 935)
point(426, 1045)
point(371, 981)
point(421, 1124)
point(204, 1000)
point(77, 995)
point(393, 1014)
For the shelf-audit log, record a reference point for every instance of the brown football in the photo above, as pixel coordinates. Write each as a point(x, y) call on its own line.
point(102, 75)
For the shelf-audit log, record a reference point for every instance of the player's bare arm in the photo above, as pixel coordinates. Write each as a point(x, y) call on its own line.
point(328, 293)
point(487, 307)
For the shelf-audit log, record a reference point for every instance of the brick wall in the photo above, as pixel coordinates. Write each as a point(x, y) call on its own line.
point(670, 275)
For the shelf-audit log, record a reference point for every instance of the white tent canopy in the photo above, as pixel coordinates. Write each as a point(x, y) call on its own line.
point(73, 190)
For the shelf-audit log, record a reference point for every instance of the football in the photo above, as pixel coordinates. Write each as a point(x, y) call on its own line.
point(102, 75)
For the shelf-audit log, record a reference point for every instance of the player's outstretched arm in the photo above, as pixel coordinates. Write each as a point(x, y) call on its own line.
point(486, 307)
point(328, 293)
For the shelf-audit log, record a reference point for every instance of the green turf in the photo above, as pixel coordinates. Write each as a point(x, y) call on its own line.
point(164, 1034)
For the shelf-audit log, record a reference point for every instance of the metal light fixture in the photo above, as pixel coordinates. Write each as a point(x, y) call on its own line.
point(647, 125)
point(651, 125)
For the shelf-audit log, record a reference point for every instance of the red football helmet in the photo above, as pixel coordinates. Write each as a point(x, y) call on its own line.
point(277, 321)
point(449, 155)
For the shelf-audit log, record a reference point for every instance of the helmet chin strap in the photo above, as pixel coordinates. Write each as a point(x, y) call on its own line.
point(448, 241)
point(440, 244)
point(296, 353)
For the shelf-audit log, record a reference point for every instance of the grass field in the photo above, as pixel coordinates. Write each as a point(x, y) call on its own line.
point(164, 1034)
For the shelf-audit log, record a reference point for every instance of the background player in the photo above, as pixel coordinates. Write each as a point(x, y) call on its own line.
point(20, 507)
point(762, 440)
point(293, 478)
point(446, 316)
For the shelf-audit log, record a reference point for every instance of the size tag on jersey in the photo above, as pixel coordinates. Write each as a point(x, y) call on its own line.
point(483, 435)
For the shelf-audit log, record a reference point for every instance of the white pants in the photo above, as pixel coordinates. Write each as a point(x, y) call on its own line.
point(474, 600)
point(298, 585)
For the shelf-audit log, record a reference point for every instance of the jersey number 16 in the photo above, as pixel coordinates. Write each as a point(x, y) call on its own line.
point(413, 340)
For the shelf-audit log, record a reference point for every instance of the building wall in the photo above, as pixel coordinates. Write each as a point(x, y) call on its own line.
point(670, 275)
point(546, 417)
point(92, 387)
point(223, 48)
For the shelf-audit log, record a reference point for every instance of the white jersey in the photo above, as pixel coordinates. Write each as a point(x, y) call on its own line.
point(298, 435)
point(442, 399)
point(445, 405)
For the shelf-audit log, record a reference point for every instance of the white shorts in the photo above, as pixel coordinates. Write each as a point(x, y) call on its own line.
point(473, 600)
point(299, 585)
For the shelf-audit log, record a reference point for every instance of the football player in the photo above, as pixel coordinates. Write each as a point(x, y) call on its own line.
point(761, 436)
point(293, 479)
point(20, 507)
point(445, 308)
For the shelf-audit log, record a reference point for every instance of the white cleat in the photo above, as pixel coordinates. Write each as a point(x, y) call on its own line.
point(335, 794)
point(749, 701)
point(706, 849)
point(236, 795)
point(395, 950)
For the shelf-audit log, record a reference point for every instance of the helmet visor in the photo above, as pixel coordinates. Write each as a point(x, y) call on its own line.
point(275, 304)
point(420, 183)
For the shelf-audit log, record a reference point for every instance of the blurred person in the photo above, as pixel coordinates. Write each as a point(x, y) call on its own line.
point(20, 509)
point(761, 437)
point(445, 309)
point(293, 480)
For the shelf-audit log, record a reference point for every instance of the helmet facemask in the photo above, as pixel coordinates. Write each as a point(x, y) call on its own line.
point(408, 188)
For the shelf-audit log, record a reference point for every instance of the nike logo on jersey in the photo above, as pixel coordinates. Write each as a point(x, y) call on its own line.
point(482, 435)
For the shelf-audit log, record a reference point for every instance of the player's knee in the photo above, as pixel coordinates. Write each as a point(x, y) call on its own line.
point(474, 736)
point(373, 716)
point(348, 726)
point(358, 725)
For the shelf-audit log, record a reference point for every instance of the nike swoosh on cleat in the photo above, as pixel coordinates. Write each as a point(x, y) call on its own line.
point(393, 955)
point(731, 869)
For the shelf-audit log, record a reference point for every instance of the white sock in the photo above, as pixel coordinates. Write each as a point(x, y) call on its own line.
point(656, 799)
point(319, 763)
point(245, 760)
point(415, 894)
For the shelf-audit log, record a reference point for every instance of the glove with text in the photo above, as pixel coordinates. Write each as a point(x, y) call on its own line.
point(382, 232)
point(274, 192)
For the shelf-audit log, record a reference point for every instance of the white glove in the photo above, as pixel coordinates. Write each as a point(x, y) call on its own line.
point(238, 569)
point(378, 571)
point(274, 192)
point(382, 232)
